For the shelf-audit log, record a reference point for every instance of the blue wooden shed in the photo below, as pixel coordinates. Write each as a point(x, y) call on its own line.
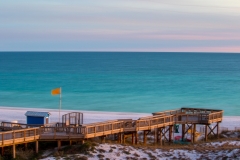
point(37, 117)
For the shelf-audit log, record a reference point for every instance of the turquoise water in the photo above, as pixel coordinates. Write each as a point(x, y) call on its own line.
point(124, 82)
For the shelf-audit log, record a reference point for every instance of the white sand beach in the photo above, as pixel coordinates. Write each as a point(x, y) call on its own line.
point(212, 150)
point(17, 114)
point(118, 151)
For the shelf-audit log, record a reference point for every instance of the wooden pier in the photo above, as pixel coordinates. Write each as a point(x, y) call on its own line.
point(161, 123)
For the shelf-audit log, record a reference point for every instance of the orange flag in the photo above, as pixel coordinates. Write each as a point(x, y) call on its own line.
point(56, 91)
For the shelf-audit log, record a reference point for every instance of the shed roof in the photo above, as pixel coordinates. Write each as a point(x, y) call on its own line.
point(37, 114)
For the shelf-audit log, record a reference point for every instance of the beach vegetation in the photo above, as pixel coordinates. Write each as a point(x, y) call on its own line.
point(21, 154)
point(100, 156)
point(126, 152)
point(136, 155)
point(118, 154)
point(131, 158)
point(84, 148)
point(101, 150)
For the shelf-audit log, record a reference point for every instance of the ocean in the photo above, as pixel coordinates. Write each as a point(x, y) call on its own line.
point(121, 81)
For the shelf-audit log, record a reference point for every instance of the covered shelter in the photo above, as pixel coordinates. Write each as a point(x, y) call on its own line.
point(37, 118)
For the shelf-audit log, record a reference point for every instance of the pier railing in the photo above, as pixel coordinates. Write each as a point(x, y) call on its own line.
point(18, 136)
point(7, 126)
point(148, 123)
point(159, 119)
point(215, 117)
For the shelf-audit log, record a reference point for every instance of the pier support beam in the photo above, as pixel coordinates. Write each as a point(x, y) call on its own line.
point(155, 135)
point(36, 146)
point(166, 134)
point(136, 137)
point(2, 151)
point(161, 135)
point(183, 131)
point(14, 151)
point(212, 129)
point(119, 137)
point(59, 144)
point(70, 142)
point(206, 135)
point(122, 137)
point(191, 131)
point(144, 137)
point(103, 139)
point(194, 132)
point(133, 137)
point(170, 133)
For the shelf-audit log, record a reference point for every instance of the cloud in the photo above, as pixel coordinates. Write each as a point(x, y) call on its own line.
point(126, 24)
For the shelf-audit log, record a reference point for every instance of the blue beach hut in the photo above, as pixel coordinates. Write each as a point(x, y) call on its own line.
point(40, 118)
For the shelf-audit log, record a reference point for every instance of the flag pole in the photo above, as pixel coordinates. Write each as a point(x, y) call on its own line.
point(60, 103)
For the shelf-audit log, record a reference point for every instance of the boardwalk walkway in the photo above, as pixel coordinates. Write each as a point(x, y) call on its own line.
point(161, 123)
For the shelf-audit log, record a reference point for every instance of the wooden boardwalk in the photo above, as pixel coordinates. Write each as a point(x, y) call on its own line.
point(160, 122)
point(10, 138)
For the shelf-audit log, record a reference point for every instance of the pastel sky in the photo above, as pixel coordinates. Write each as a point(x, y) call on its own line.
point(120, 25)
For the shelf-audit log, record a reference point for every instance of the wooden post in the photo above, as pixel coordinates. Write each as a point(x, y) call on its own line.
point(170, 134)
point(35, 132)
point(2, 139)
point(183, 131)
point(206, 133)
point(36, 146)
point(13, 135)
point(155, 136)
point(25, 146)
point(191, 133)
point(123, 138)
point(59, 144)
point(70, 142)
point(54, 133)
point(144, 137)
point(160, 136)
point(24, 134)
point(14, 151)
point(217, 130)
point(194, 132)
point(103, 139)
point(2, 151)
point(119, 137)
point(132, 138)
point(136, 137)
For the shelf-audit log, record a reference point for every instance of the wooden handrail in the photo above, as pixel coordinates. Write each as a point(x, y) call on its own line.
point(27, 129)
point(18, 136)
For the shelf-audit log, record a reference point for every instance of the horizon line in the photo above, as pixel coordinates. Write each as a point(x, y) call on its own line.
point(128, 52)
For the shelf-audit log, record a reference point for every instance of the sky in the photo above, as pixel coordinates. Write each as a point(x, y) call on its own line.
point(120, 25)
